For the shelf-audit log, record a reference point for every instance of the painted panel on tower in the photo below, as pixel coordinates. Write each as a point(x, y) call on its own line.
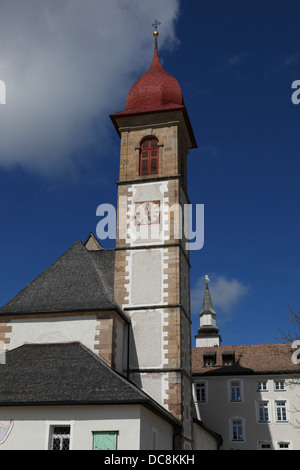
point(146, 349)
point(146, 275)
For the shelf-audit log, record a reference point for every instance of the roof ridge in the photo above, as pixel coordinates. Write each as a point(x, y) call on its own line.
point(97, 274)
point(91, 262)
point(44, 343)
point(238, 345)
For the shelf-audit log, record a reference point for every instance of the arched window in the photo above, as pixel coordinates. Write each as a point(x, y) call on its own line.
point(149, 156)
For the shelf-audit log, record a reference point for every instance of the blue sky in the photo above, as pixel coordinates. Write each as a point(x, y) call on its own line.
point(59, 153)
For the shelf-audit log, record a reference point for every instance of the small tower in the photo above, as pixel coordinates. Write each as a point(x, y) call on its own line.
point(208, 333)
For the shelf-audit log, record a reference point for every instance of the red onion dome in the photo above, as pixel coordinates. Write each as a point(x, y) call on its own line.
point(155, 90)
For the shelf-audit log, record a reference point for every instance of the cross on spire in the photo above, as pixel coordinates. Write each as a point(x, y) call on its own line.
point(156, 24)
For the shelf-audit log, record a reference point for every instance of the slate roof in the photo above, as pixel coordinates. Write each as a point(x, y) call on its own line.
point(207, 306)
point(79, 280)
point(66, 374)
point(249, 359)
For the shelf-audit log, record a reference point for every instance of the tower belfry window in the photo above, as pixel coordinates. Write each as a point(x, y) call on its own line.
point(149, 156)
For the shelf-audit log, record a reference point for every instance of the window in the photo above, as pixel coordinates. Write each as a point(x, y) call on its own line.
point(283, 445)
point(281, 413)
point(228, 359)
point(209, 360)
point(235, 391)
point(200, 391)
point(149, 156)
point(279, 385)
point(263, 412)
point(265, 445)
point(237, 431)
point(60, 437)
point(262, 386)
point(105, 440)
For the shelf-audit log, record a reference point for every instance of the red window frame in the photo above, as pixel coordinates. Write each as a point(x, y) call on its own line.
point(149, 156)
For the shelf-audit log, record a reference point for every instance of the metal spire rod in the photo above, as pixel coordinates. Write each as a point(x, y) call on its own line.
point(155, 33)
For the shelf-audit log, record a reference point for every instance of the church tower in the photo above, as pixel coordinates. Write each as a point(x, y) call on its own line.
point(151, 281)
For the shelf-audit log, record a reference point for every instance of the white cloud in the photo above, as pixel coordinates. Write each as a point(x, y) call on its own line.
point(234, 59)
point(67, 64)
point(229, 61)
point(226, 294)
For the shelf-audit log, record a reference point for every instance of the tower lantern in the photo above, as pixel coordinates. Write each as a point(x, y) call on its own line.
point(208, 332)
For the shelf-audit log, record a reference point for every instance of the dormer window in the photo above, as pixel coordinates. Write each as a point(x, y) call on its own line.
point(149, 156)
point(228, 358)
point(209, 359)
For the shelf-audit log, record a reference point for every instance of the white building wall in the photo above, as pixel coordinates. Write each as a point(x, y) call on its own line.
point(31, 426)
point(54, 329)
point(207, 340)
point(59, 329)
point(203, 440)
point(218, 411)
point(156, 434)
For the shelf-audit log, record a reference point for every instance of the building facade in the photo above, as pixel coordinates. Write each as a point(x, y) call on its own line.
point(247, 393)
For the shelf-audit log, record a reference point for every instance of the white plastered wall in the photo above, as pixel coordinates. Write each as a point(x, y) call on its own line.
point(31, 426)
point(53, 330)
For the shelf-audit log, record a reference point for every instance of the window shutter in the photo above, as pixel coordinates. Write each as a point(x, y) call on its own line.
point(144, 163)
point(153, 165)
point(149, 157)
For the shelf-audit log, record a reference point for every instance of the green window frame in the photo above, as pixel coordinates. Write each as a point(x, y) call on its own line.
point(105, 440)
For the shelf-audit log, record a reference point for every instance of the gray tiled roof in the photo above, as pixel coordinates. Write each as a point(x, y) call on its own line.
point(69, 374)
point(79, 280)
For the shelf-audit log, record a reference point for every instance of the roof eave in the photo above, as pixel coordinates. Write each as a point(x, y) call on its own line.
point(182, 108)
point(116, 308)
